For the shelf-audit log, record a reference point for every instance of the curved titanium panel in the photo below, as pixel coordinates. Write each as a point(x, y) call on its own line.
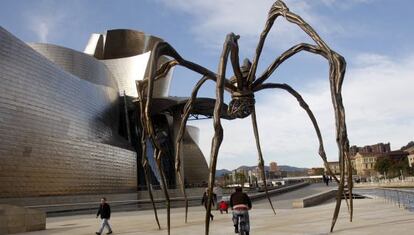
point(127, 53)
point(95, 46)
point(54, 126)
point(194, 163)
point(121, 43)
point(128, 70)
point(77, 63)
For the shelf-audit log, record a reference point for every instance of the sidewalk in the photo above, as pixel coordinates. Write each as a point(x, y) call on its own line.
point(371, 216)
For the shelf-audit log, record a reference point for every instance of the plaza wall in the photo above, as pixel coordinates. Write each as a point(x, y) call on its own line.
point(58, 124)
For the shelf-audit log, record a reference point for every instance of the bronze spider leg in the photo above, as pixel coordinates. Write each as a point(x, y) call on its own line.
point(164, 49)
point(151, 132)
point(337, 67)
point(341, 131)
point(162, 72)
point(144, 161)
point(261, 160)
point(337, 70)
point(190, 103)
point(186, 113)
point(286, 55)
point(218, 129)
point(234, 56)
point(257, 85)
point(305, 106)
point(278, 8)
point(157, 157)
point(144, 136)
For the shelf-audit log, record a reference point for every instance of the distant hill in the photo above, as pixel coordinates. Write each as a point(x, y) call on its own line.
point(222, 172)
point(281, 168)
point(291, 168)
point(250, 167)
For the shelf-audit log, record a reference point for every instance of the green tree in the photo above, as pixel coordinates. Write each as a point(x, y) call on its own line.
point(400, 166)
point(392, 167)
point(383, 165)
point(240, 178)
point(227, 179)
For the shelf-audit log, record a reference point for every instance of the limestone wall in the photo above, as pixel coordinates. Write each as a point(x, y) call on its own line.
point(14, 219)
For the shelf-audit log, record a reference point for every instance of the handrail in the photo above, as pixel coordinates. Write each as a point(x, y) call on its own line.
point(403, 198)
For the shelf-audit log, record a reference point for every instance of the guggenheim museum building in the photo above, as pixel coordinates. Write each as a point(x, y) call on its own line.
point(69, 120)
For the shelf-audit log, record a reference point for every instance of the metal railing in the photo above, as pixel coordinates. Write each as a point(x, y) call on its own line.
point(403, 198)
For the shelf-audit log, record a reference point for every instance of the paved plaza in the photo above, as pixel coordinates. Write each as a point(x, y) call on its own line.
point(372, 216)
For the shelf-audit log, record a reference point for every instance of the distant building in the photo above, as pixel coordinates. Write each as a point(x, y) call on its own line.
point(363, 159)
point(273, 167)
point(410, 157)
point(240, 174)
point(274, 171)
point(253, 173)
point(409, 148)
point(411, 160)
point(376, 148)
point(256, 174)
point(316, 171)
point(365, 162)
point(334, 166)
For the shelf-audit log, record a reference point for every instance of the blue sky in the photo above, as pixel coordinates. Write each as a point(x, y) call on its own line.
point(375, 36)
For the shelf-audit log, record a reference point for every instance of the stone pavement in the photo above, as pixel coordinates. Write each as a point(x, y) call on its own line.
point(371, 216)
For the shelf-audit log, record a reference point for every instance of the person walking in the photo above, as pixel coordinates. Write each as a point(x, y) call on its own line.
point(105, 212)
point(204, 201)
point(240, 204)
point(327, 180)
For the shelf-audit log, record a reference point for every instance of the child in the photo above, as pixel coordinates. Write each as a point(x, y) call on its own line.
point(223, 206)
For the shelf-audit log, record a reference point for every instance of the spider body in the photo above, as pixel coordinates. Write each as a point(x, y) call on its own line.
point(242, 98)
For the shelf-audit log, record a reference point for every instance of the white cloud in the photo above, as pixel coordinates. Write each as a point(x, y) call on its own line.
point(377, 96)
point(48, 20)
point(213, 19)
point(41, 26)
point(345, 4)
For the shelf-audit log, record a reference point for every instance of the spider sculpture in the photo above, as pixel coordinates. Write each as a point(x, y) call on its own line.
point(243, 86)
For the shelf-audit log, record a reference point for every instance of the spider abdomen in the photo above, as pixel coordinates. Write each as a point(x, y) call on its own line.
point(241, 106)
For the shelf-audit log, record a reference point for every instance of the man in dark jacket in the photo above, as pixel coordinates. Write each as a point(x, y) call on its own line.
point(105, 212)
point(204, 201)
point(241, 204)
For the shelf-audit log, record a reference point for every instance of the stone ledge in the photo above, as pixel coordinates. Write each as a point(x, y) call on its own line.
point(15, 219)
point(314, 200)
point(277, 191)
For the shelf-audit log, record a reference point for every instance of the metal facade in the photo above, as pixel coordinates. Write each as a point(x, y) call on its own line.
point(58, 131)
